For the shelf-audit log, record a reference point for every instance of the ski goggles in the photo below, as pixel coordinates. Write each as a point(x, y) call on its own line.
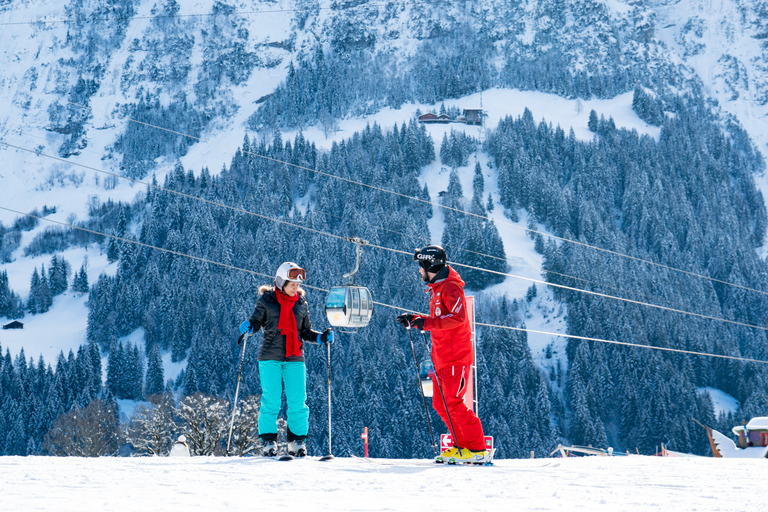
point(297, 274)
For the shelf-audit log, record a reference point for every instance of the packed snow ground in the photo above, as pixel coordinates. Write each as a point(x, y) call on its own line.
point(594, 484)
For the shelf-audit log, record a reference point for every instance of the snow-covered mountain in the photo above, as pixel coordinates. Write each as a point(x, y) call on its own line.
point(220, 60)
point(98, 93)
point(74, 73)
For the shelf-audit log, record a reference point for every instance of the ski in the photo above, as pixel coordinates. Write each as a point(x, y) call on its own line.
point(411, 462)
point(454, 461)
point(286, 457)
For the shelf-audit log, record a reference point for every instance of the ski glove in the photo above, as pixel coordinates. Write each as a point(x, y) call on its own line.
point(411, 321)
point(246, 327)
point(327, 336)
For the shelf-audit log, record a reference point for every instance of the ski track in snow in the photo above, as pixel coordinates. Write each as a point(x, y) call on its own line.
point(634, 483)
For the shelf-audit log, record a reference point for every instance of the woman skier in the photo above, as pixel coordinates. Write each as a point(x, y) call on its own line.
point(282, 313)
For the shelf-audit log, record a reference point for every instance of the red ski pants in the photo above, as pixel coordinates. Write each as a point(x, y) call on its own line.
point(467, 430)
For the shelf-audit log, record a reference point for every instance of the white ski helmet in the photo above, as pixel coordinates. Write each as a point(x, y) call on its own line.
point(289, 271)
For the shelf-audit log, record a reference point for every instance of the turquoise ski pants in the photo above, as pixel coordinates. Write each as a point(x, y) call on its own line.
point(273, 374)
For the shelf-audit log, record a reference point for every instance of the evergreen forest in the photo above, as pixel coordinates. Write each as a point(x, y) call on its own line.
point(613, 217)
point(688, 197)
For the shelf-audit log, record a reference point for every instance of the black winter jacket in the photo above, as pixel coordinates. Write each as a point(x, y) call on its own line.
point(266, 316)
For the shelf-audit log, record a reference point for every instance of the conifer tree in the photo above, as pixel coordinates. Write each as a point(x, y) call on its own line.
point(44, 296)
point(80, 282)
point(116, 370)
point(10, 303)
point(593, 122)
point(155, 375)
point(58, 275)
point(33, 303)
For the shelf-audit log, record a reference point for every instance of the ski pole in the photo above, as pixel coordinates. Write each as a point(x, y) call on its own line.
point(421, 390)
point(445, 404)
point(330, 453)
point(237, 390)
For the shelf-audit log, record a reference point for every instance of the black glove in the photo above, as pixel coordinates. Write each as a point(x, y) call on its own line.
point(327, 337)
point(411, 321)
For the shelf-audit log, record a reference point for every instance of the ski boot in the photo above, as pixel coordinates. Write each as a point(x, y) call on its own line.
point(465, 456)
point(446, 455)
point(297, 448)
point(269, 449)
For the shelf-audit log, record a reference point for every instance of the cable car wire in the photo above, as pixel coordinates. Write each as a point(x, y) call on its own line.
point(398, 308)
point(590, 292)
point(456, 210)
point(624, 343)
point(378, 228)
point(398, 251)
point(170, 191)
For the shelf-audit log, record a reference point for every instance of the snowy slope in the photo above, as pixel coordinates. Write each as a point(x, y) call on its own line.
point(608, 484)
point(722, 402)
point(217, 152)
point(700, 34)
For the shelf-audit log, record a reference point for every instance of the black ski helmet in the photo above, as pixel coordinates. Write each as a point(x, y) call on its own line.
point(431, 258)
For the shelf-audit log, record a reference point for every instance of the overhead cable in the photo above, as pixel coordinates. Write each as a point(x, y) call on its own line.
point(520, 329)
point(624, 343)
point(324, 233)
point(456, 210)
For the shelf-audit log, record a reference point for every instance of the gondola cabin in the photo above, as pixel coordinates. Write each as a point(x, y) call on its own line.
point(349, 306)
point(426, 374)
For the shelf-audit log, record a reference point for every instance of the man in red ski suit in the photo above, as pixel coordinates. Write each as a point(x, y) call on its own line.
point(452, 353)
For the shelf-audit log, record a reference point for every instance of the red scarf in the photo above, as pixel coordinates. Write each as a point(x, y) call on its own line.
point(287, 323)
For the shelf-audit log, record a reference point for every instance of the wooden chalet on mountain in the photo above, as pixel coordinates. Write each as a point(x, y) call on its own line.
point(469, 116)
point(434, 118)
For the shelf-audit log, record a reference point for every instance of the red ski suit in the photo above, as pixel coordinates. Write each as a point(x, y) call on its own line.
point(452, 355)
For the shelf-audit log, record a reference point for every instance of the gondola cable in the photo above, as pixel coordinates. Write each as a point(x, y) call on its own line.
point(378, 228)
point(545, 283)
point(398, 308)
point(456, 210)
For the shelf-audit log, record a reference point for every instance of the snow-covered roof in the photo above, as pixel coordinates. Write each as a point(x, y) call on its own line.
point(758, 423)
point(729, 450)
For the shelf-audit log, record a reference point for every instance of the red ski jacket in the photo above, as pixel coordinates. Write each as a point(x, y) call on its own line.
point(448, 322)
